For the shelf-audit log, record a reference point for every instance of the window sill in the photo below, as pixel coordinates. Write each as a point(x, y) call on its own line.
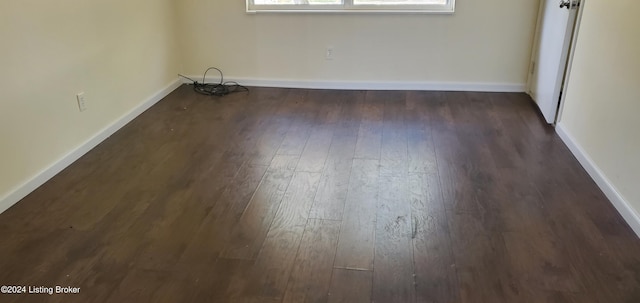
point(348, 8)
point(352, 11)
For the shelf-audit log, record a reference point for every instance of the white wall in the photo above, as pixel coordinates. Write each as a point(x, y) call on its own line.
point(601, 113)
point(118, 52)
point(485, 41)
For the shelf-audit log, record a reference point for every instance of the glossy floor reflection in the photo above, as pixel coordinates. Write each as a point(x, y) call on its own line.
point(286, 195)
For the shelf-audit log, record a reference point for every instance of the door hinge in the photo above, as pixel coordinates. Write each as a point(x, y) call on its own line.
point(569, 4)
point(533, 67)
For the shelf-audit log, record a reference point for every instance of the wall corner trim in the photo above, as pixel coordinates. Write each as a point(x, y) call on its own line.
point(624, 208)
point(22, 190)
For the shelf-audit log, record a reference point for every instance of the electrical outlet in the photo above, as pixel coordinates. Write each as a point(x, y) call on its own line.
point(328, 55)
point(82, 102)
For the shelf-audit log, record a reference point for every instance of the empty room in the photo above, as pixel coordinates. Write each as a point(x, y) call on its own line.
point(437, 151)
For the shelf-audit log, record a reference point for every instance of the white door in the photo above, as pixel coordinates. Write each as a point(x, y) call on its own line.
point(551, 51)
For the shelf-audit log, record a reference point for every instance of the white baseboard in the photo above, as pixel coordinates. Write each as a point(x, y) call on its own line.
point(372, 85)
point(43, 176)
point(619, 202)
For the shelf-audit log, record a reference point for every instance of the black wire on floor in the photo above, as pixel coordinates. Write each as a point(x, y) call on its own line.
point(216, 89)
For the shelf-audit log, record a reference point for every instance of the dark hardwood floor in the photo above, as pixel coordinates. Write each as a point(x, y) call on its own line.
point(285, 195)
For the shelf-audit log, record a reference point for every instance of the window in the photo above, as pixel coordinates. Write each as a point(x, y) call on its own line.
point(341, 6)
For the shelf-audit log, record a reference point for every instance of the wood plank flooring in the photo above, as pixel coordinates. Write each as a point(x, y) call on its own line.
point(290, 195)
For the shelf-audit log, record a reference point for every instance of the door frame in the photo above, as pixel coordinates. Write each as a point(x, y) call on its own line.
point(534, 55)
point(572, 50)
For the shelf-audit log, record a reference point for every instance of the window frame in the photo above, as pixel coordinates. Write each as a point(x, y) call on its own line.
point(349, 7)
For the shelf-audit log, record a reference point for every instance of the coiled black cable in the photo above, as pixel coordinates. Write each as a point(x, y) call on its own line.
point(216, 89)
